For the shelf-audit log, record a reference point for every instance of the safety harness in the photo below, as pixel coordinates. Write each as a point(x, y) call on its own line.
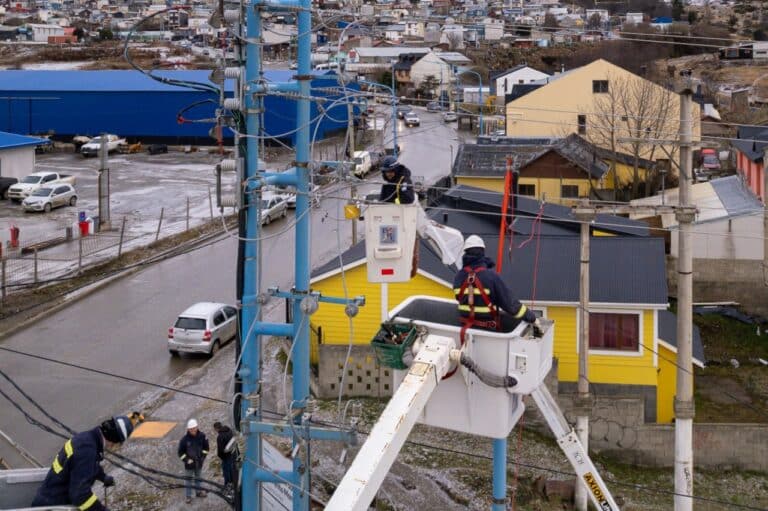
point(467, 290)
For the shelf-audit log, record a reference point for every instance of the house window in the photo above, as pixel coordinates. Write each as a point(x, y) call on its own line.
point(611, 331)
point(582, 122)
point(528, 190)
point(569, 191)
point(600, 86)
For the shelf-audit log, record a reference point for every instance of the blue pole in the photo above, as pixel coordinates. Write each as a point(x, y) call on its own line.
point(302, 263)
point(251, 363)
point(499, 474)
point(479, 79)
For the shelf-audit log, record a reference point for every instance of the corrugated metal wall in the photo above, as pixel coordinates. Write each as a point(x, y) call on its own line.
point(147, 115)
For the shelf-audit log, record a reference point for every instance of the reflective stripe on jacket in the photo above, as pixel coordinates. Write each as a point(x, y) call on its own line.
point(73, 471)
point(495, 288)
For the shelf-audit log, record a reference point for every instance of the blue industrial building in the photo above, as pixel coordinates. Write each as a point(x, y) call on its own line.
point(134, 106)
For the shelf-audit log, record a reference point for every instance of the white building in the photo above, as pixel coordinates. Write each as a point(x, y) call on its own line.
point(414, 29)
point(394, 32)
point(494, 29)
point(17, 154)
point(634, 18)
point(502, 83)
point(41, 33)
point(473, 94)
point(431, 64)
point(453, 35)
point(729, 216)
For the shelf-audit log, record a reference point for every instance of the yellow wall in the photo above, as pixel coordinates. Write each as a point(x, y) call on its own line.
point(616, 369)
point(667, 383)
point(494, 184)
point(552, 110)
point(335, 323)
point(551, 187)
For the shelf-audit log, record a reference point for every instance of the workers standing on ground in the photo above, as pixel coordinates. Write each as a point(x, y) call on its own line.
point(398, 187)
point(226, 450)
point(482, 293)
point(193, 448)
point(78, 464)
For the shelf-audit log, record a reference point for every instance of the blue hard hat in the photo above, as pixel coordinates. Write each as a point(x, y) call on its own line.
point(389, 163)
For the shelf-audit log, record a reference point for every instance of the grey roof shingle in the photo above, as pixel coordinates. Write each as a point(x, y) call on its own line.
point(736, 197)
point(754, 143)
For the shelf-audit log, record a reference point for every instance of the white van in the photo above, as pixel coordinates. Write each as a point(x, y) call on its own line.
point(362, 161)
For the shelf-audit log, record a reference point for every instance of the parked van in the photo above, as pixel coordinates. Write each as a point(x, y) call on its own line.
point(327, 66)
point(362, 161)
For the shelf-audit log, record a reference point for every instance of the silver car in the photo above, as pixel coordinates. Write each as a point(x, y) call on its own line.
point(273, 206)
point(203, 328)
point(45, 199)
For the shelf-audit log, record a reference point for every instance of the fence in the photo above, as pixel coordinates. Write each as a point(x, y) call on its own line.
point(63, 253)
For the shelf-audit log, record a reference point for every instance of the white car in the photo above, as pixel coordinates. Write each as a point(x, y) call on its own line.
point(203, 328)
point(290, 197)
point(45, 199)
point(273, 206)
point(93, 147)
point(450, 117)
point(411, 119)
point(37, 180)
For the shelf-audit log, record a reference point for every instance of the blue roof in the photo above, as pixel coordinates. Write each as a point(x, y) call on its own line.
point(113, 80)
point(9, 140)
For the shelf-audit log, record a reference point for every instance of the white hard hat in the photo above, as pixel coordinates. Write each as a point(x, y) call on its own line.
point(474, 241)
point(191, 423)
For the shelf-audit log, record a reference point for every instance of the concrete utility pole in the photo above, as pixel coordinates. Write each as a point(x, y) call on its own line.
point(684, 406)
point(104, 219)
point(765, 222)
point(582, 404)
point(351, 146)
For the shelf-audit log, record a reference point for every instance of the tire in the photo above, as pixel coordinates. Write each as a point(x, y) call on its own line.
point(5, 194)
point(47, 208)
point(284, 213)
point(73, 200)
point(215, 347)
point(267, 220)
point(173, 353)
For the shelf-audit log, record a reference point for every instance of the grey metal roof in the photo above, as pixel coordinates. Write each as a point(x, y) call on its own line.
point(628, 270)
point(668, 333)
point(736, 197)
point(754, 143)
point(521, 89)
point(468, 197)
point(491, 159)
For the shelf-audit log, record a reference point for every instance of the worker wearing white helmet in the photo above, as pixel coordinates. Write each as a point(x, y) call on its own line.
point(481, 293)
point(193, 448)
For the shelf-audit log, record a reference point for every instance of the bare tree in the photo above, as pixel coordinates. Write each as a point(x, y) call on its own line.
point(455, 40)
point(634, 116)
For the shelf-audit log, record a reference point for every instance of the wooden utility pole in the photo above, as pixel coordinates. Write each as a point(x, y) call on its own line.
point(684, 407)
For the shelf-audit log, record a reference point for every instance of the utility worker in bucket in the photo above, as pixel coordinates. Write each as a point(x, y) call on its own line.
point(398, 187)
point(482, 293)
point(78, 465)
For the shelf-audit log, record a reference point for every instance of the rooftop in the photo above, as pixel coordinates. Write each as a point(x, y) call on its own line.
point(12, 140)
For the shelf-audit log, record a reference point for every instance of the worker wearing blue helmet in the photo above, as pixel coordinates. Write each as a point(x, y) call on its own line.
point(398, 187)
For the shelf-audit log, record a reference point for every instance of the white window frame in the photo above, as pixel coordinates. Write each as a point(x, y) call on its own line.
point(621, 353)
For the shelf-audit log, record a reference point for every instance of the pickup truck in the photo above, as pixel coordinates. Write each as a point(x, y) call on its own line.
point(35, 181)
point(5, 184)
point(92, 148)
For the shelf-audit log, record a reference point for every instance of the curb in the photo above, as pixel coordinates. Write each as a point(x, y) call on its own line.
point(89, 289)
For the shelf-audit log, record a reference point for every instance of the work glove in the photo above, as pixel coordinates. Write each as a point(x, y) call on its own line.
point(108, 481)
point(190, 462)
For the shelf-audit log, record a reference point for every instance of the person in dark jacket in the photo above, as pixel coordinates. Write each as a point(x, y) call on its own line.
point(226, 450)
point(193, 448)
point(481, 293)
point(78, 464)
point(398, 187)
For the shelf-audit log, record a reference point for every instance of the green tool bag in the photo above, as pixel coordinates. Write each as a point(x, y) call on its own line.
point(392, 341)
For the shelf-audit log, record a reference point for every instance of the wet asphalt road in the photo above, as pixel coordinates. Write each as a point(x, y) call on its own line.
point(122, 328)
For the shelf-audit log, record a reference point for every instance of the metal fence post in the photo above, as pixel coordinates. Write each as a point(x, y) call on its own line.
point(187, 213)
point(4, 291)
point(210, 202)
point(122, 233)
point(35, 266)
point(79, 254)
point(160, 223)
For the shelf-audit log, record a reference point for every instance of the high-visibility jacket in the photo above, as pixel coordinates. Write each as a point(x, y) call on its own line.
point(495, 290)
point(73, 472)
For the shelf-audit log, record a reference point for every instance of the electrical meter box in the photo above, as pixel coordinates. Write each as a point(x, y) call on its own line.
point(461, 402)
point(390, 239)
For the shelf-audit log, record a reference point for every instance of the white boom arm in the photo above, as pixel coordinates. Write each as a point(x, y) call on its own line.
point(574, 451)
point(367, 472)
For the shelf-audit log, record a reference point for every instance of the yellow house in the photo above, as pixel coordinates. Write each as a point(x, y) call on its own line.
point(633, 346)
point(609, 106)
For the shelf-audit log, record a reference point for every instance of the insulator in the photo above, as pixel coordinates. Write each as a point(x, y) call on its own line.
point(232, 72)
point(228, 201)
point(310, 405)
point(228, 165)
point(232, 103)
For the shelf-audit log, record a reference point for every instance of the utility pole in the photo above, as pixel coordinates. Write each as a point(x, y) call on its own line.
point(104, 220)
point(351, 146)
point(765, 224)
point(684, 406)
point(582, 404)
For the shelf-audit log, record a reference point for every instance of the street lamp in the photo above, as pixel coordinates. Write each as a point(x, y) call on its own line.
point(480, 81)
